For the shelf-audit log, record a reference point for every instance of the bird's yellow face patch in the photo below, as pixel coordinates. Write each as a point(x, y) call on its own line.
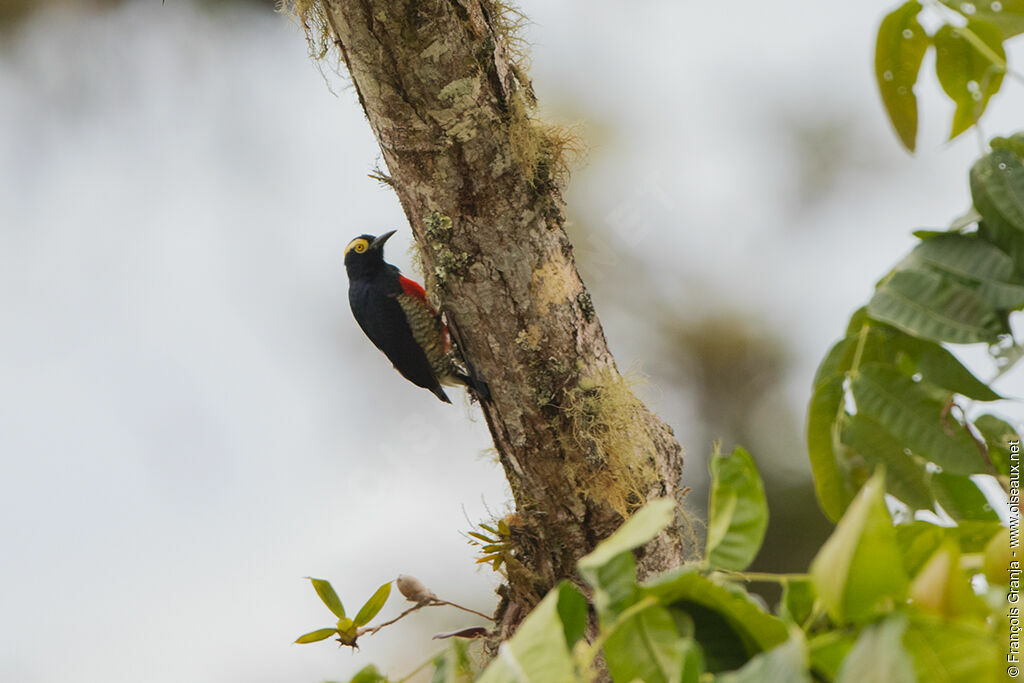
point(358, 245)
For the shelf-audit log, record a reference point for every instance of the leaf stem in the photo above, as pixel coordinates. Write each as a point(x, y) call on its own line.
point(768, 577)
point(982, 47)
point(419, 668)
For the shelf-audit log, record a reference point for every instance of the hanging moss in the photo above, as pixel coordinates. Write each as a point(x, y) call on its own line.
point(312, 14)
point(601, 411)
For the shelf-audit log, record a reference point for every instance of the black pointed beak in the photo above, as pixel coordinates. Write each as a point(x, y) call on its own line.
point(379, 242)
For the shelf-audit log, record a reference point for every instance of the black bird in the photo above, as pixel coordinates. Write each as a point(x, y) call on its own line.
point(395, 314)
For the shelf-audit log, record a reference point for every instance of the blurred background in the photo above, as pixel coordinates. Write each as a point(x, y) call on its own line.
point(190, 420)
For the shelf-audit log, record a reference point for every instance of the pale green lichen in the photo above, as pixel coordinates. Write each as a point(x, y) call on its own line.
point(434, 51)
point(531, 338)
point(461, 92)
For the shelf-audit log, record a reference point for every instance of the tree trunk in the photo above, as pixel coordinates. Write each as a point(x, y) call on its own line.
point(479, 182)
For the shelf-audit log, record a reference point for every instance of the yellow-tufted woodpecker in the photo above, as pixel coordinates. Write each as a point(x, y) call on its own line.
point(394, 313)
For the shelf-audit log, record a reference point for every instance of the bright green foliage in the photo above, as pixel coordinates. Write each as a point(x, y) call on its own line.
point(646, 646)
point(828, 650)
point(898, 53)
point(329, 597)
point(718, 606)
point(786, 662)
point(317, 635)
point(1007, 15)
point(889, 393)
point(453, 665)
point(967, 75)
point(860, 619)
point(954, 651)
point(858, 573)
point(494, 541)
point(347, 630)
point(797, 601)
point(997, 434)
point(373, 605)
point(542, 647)
point(882, 602)
point(738, 514)
point(970, 60)
point(640, 528)
point(997, 187)
point(368, 674)
point(879, 655)
point(941, 588)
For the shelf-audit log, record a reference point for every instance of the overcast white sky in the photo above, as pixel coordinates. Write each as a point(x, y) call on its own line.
point(190, 421)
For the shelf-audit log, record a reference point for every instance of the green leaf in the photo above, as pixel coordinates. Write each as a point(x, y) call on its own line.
point(369, 674)
point(738, 515)
point(967, 75)
point(572, 611)
point(997, 187)
point(693, 662)
point(961, 498)
point(328, 596)
point(925, 304)
point(614, 585)
point(905, 476)
point(878, 655)
point(920, 539)
point(916, 420)
point(1008, 15)
point(646, 647)
point(697, 595)
point(369, 610)
point(943, 589)
point(827, 652)
point(317, 635)
point(941, 368)
point(859, 572)
point(453, 665)
point(826, 404)
point(998, 435)
point(997, 559)
point(611, 569)
point(976, 262)
point(953, 651)
point(786, 662)
point(539, 650)
point(899, 49)
point(644, 525)
point(797, 600)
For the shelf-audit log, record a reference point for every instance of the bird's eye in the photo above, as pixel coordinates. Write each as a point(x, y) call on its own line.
point(358, 245)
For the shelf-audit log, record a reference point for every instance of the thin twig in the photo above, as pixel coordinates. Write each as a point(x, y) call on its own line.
point(464, 609)
point(373, 629)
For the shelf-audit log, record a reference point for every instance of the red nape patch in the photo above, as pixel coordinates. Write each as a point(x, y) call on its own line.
point(412, 288)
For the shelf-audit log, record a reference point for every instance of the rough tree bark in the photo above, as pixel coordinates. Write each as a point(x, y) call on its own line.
point(478, 180)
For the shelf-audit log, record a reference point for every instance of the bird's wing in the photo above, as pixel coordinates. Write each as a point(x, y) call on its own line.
point(414, 289)
point(399, 324)
point(418, 295)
